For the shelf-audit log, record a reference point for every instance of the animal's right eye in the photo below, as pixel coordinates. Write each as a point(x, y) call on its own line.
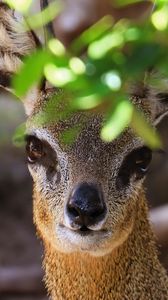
point(35, 149)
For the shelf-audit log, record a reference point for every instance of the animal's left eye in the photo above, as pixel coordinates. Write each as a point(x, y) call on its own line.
point(135, 163)
point(41, 154)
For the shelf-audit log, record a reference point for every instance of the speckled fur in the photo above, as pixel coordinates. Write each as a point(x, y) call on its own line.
point(121, 262)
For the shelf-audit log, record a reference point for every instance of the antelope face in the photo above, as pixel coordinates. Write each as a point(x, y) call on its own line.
point(85, 194)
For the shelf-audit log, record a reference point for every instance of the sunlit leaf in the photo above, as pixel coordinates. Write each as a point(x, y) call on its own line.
point(144, 130)
point(87, 102)
point(160, 19)
point(56, 47)
point(31, 72)
point(58, 76)
point(92, 33)
point(100, 48)
point(19, 135)
point(44, 17)
point(117, 120)
point(112, 80)
point(77, 65)
point(132, 34)
point(20, 5)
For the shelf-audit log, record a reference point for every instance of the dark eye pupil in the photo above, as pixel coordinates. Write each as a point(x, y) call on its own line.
point(34, 149)
point(143, 159)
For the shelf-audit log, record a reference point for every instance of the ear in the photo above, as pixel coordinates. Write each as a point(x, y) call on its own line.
point(151, 97)
point(15, 43)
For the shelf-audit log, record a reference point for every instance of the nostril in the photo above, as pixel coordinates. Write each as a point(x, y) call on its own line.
point(72, 211)
point(97, 213)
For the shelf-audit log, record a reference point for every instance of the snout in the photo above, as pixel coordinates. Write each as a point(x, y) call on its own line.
point(86, 208)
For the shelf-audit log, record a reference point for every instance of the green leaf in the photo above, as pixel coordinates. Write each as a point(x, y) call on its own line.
point(87, 102)
point(118, 119)
point(98, 49)
point(112, 80)
point(77, 65)
point(92, 33)
point(56, 47)
point(160, 19)
point(19, 135)
point(58, 76)
point(143, 56)
point(44, 17)
point(145, 130)
point(20, 5)
point(31, 72)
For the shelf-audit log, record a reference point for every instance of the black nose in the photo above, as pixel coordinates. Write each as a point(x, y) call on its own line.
point(86, 206)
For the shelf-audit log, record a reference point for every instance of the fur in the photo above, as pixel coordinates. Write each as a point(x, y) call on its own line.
point(120, 260)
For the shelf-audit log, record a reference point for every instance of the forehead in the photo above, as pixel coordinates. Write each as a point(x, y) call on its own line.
point(52, 105)
point(88, 141)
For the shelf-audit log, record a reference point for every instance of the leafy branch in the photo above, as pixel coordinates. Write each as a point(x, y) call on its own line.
point(99, 65)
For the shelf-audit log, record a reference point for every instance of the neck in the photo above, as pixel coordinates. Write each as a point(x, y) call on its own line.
point(81, 276)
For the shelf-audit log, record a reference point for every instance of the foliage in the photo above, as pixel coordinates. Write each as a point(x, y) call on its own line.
point(99, 65)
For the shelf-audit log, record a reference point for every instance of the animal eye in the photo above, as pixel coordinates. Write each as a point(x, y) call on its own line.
point(143, 158)
point(34, 149)
point(135, 163)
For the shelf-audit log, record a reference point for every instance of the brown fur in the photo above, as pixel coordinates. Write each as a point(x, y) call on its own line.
point(132, 271)
point(120, 261)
